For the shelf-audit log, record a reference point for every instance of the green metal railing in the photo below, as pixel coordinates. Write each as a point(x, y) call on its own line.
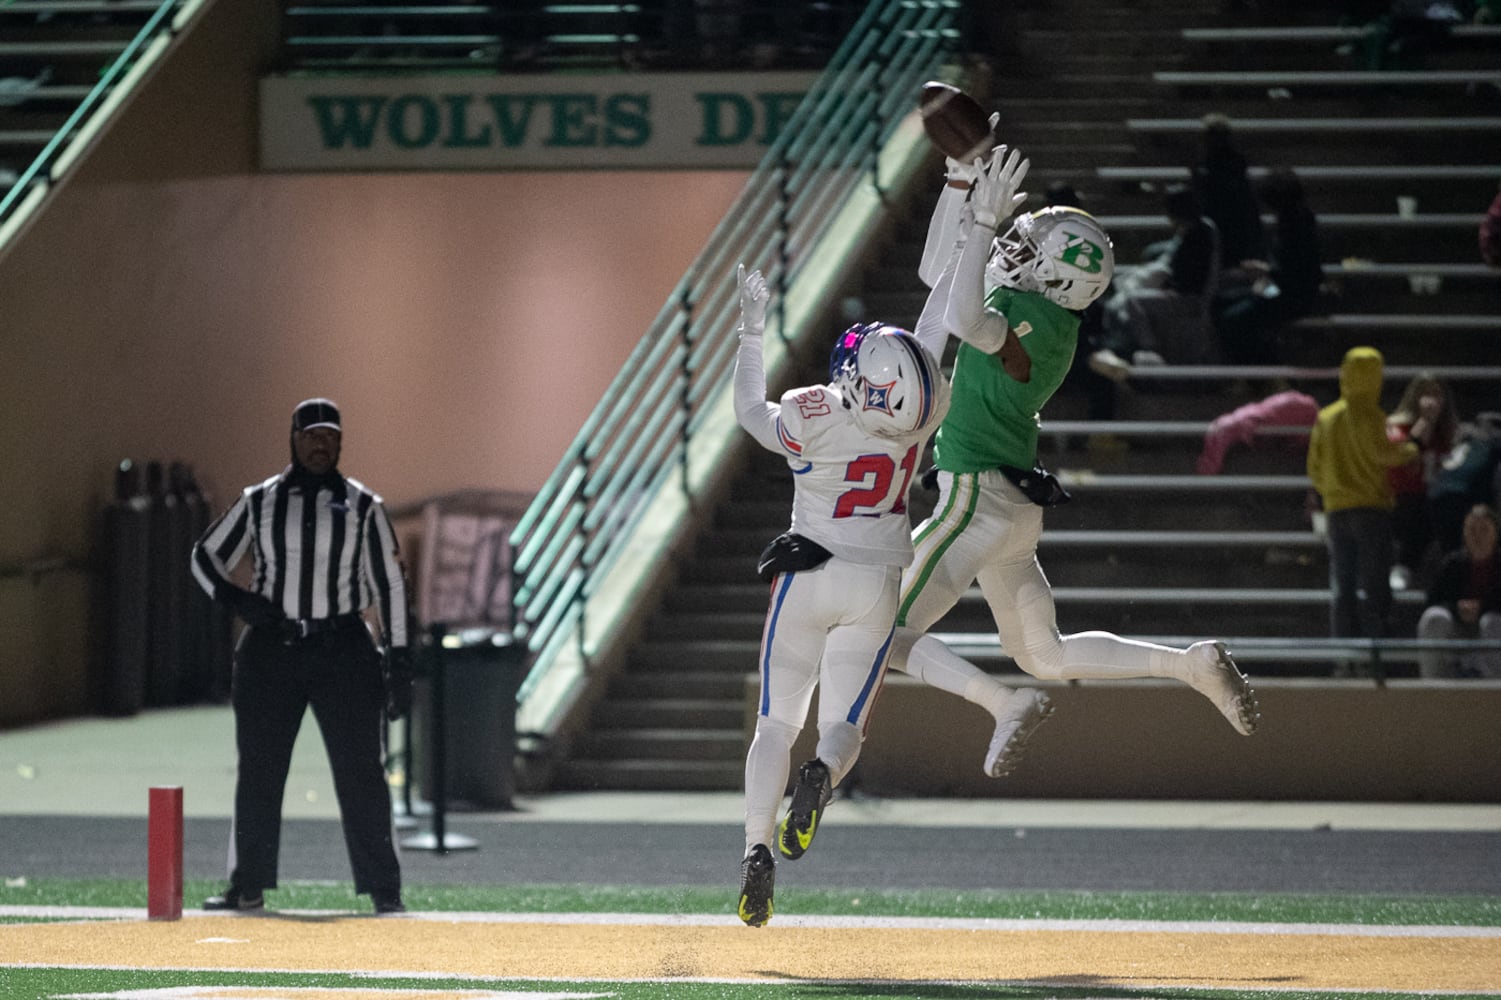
point(49, 164)
point(639, 441)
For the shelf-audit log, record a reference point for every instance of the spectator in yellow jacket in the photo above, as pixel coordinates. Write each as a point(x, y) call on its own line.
point(1349, 454)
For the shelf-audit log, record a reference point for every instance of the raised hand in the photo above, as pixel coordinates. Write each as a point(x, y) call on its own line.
point(753, 298)
point(996, 192)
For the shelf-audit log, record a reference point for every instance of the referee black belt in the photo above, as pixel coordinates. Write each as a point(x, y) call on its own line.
point(301, 628)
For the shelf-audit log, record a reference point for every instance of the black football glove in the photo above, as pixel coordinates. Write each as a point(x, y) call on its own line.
point(399, 678)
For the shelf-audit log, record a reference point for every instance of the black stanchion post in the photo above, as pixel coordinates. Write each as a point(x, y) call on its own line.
point(439, 840)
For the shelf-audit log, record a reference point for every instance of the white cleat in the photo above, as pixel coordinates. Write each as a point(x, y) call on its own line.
point(1213, 674)
point(1025, 710)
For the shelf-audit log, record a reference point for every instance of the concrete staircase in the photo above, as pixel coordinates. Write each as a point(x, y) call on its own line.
point(1147, 548)
point(51, 55)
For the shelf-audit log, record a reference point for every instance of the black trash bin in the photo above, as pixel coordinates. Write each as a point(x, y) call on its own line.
point(481, 675)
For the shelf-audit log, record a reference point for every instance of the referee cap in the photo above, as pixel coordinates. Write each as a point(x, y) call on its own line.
point(318, 412)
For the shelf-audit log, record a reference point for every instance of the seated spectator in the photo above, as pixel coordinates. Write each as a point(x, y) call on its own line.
point(1260, 299)
point(1465, 476)
point(1159, 312)
point(1283, 409)
point(1402, 37)
point(1223, 185)
point(1465, 602)
point(1426, 416)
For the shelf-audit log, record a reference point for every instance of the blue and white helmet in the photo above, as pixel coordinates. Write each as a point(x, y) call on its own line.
point(889, 381)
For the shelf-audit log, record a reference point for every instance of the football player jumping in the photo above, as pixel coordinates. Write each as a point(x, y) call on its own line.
point(1025, 289)
point(853, 446)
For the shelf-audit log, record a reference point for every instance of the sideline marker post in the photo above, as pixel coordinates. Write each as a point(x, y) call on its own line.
point(164, 854)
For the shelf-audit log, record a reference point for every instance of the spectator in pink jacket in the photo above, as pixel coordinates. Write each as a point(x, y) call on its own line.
point(1239, 426)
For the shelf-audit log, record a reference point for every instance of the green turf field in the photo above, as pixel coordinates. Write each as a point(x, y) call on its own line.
point(1472, 911)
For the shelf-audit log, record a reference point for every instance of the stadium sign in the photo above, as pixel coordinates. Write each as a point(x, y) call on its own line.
point(657, 121)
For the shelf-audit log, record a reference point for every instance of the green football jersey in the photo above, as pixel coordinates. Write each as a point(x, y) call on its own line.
point(993, 418)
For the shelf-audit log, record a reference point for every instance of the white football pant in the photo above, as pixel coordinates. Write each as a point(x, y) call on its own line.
point(985, 529)
point(828, 628)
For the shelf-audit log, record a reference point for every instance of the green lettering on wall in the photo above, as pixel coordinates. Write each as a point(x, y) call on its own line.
point(347, 120)
point(777, 108)
point(398, 121)
point(569, 124)
point(513, 114)
point(717, 130)
point(459, 136)
point(628, 120)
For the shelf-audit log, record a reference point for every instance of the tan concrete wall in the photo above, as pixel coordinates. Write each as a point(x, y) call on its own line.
point(170, 302)
point(1410, 741)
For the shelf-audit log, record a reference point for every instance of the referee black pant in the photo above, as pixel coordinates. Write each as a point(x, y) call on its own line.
point(338, 673)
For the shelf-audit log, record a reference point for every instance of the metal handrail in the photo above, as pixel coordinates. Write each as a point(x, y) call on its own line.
point(640, 439)
point(160, 23)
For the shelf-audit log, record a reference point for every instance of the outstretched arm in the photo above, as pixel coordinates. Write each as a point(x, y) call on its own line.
point(994, 198)
point(943, 227)
point(752, 411)
point(932, 329)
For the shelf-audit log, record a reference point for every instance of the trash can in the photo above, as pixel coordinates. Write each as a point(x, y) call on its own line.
point(471, 704)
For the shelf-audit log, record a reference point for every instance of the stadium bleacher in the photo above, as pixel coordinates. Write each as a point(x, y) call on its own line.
point(385, 36)
point(1148, 547)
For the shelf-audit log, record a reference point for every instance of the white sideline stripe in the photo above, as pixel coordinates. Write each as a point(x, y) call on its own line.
point(819, 922)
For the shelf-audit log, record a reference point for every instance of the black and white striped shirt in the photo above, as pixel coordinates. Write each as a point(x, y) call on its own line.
point(313, 557)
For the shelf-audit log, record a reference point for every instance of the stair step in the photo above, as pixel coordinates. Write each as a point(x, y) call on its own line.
point(1086, 109)
point(662, 713)
point(645, 680)
point(664, 744)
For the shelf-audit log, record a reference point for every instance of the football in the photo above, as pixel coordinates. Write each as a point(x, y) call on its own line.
point(956, 123)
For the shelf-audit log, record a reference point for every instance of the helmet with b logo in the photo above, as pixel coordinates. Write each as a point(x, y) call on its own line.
point(1059, 252)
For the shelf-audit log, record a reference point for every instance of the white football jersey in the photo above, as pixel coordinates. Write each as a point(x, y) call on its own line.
point(850, 486)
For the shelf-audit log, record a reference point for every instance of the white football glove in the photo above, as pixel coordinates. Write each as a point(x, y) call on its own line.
point(959, 175)
point(996, 192)
point(753, 298)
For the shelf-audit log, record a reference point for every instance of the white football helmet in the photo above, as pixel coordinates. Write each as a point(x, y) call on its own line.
point(1060, 252)
point(889, 381)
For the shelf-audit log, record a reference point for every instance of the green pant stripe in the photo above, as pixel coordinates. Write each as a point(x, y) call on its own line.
point(966, 484)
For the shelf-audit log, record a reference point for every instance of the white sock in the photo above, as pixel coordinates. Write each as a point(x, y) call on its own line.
point(767, 766)
point(933, 663)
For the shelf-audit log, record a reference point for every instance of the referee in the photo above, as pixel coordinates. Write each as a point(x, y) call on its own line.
point(322, 551)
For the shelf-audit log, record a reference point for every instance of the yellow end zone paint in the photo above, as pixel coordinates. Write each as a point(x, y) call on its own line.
point(559, 948)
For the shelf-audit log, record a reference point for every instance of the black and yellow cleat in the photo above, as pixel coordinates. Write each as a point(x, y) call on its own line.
point(809, 797)
point(758, 876)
